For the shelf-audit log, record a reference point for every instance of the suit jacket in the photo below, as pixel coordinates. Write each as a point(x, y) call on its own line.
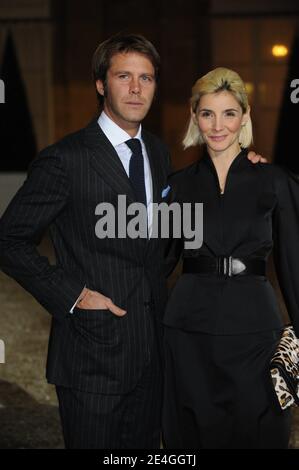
point(91, 350)
point(257, 213)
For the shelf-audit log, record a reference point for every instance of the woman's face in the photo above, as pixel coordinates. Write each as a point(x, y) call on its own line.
point(219, 118)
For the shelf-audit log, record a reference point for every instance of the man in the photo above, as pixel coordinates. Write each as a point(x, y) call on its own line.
point(106, 296)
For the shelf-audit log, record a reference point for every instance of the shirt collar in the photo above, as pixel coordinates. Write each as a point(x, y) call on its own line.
point(113, 132)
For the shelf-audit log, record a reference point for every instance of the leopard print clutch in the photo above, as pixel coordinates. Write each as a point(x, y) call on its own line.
point(284, 369)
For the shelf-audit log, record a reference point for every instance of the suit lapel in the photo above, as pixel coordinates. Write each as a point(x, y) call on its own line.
point(106, 162)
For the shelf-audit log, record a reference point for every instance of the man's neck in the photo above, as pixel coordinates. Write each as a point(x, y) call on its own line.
point(130, 128)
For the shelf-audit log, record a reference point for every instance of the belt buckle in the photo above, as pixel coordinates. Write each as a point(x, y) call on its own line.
point(224, 266)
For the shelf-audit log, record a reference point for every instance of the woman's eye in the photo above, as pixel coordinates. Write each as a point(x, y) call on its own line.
point(230, 114)
point(205, 114)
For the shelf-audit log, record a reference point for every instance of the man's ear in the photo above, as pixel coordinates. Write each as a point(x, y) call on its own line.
point(100, 87)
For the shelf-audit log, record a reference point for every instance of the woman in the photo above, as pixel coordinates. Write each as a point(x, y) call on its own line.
point(222, 322)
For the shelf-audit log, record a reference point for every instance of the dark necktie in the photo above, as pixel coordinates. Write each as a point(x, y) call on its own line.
point(136, 170)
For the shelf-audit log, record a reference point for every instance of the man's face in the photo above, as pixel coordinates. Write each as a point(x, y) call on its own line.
point(130, 88)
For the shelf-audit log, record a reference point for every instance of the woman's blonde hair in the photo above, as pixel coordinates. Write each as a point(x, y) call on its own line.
point(219, 79)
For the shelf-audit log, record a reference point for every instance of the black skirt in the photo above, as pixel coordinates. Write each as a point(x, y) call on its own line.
point(219, 394)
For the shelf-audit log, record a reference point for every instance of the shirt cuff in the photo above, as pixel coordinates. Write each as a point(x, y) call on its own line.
point(72, 309)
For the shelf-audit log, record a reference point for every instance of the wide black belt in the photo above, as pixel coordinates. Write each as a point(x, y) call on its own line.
point(225, 266)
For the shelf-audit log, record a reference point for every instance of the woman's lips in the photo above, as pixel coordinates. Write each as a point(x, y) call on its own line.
point(217, 138)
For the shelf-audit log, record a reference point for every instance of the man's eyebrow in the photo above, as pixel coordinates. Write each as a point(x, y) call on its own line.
point(128, 72)
point(122, 71)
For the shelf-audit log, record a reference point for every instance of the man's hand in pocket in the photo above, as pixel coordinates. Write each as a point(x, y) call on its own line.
point(93, 300)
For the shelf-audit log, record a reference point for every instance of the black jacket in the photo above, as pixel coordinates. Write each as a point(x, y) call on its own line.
point(90, 350)
point(258, 212)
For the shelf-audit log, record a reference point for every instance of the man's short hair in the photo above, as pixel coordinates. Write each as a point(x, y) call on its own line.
point(121, 43)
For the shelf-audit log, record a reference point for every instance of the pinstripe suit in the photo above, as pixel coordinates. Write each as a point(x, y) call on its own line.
point(92, 351)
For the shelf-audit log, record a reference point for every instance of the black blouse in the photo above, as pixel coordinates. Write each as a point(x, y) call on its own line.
point(258, 212)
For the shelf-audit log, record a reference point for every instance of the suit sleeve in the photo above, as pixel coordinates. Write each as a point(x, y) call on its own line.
point(286, 243)
point(41, 199)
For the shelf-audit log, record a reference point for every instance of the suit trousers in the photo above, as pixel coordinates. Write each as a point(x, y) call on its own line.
point(127, 421)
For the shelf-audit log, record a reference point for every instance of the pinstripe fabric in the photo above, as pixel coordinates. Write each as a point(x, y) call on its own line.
point(105, 421)
point(91, 351)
